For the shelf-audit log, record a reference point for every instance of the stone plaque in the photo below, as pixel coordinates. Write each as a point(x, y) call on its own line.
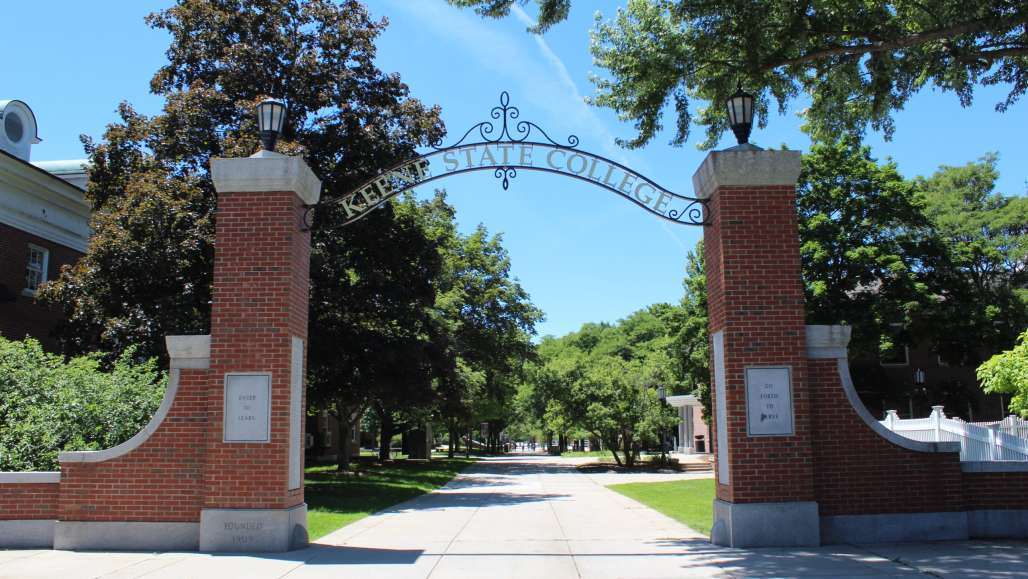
point(769, 401)
point(247, 407)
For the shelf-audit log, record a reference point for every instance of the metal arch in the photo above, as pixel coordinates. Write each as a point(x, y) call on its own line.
point(505, 112)
point(694, 211)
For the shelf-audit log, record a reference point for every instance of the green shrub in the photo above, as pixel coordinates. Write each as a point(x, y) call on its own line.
point(48, 405)
point(1007, 373)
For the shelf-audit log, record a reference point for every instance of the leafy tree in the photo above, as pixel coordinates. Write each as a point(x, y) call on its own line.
point(550, 11)
point(858, 62)
point(48, 405)
point(488, 320)
point(690, 347)
point(147, 269)
point(147, 272)
point(373, 340)
point(982, 283)
point(602, 379)
point(1007, 373)
point(865, 241)
point(620, 409)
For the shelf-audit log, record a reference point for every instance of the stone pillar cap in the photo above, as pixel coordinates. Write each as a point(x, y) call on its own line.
point(745, 167)
point(266, 171)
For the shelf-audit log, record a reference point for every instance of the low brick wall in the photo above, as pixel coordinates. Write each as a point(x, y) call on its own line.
point(160, 480)
point(857, 471)
point(996, 490)
point(28, 501)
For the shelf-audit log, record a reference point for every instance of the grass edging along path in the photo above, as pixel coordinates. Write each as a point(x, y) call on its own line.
point(335, 500)
point(688, 501)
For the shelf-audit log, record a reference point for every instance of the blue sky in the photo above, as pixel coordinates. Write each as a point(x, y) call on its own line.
point(582, 253)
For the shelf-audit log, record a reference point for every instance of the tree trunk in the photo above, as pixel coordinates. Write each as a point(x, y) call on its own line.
point(467, 449)
point(629, 455)
point(345, 426)
point(453, 438)
point(386, 437)
point(612, 445)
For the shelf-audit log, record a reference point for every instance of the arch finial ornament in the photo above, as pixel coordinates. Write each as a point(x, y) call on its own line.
point(505, 145)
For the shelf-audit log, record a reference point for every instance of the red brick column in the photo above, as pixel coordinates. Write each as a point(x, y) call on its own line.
point(253, 461)
point(765, 490)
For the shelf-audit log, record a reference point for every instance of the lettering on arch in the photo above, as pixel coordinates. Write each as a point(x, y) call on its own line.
point(505, 149)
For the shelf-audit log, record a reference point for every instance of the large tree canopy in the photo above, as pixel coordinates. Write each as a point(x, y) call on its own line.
point(400, 302)
point(147, 272)
point(855, 61)
point(603, 379)
point(983, 281)
point(864, 243)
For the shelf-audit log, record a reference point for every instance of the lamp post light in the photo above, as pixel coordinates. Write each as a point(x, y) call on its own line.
point(919, 379)
point(271, 117)
point(662, 395)
point(740, 114)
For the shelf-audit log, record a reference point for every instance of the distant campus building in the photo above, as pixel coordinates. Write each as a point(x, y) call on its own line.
point(919, 370)
point(44, 224)
point(692, 435)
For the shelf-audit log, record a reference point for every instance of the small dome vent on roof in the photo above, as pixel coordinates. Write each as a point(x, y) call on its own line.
point(18, 132)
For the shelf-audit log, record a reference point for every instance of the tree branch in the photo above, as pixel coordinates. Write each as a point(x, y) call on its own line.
point(888, 45)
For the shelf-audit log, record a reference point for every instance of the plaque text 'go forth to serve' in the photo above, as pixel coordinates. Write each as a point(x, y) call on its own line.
point(769, 401)
point(247, 407)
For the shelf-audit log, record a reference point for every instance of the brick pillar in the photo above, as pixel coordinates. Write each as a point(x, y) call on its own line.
point(762, 432)
point(253, 460)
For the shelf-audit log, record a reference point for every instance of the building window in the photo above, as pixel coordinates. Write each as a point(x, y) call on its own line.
point(35, 271)
point(892, 352)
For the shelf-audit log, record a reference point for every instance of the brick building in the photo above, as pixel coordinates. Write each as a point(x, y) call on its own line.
point(44, 224)
point(911, 379)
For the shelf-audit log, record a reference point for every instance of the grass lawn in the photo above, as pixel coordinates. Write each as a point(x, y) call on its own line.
point(334, 501)
point(688, 501)
point(583, 453)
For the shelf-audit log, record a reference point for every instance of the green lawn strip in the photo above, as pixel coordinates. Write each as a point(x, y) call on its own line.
point(688, 501)
point(334, 501)
point(587, 453)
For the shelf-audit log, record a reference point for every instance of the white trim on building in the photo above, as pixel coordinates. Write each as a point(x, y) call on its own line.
point(42, 204)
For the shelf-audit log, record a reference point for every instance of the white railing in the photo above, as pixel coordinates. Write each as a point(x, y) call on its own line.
point(977, 443)
point(1014, 425)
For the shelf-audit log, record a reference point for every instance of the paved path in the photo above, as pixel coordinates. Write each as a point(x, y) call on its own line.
point(532, 517)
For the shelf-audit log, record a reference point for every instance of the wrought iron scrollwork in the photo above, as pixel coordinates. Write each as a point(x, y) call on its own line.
point(505, 173)
point(505, 114)
point(505, 132)
point(695, 213)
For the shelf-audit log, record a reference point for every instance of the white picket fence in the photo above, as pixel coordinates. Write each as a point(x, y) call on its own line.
point(1014, 425)
point(977, 443)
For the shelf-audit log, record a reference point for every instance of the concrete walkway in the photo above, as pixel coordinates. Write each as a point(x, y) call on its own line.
point(532, 517)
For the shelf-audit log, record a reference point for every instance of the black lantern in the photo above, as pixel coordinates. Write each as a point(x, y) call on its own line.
point(271, 116)
point(740, 114)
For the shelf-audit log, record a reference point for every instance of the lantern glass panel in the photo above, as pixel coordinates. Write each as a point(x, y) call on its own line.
point(271, 115)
